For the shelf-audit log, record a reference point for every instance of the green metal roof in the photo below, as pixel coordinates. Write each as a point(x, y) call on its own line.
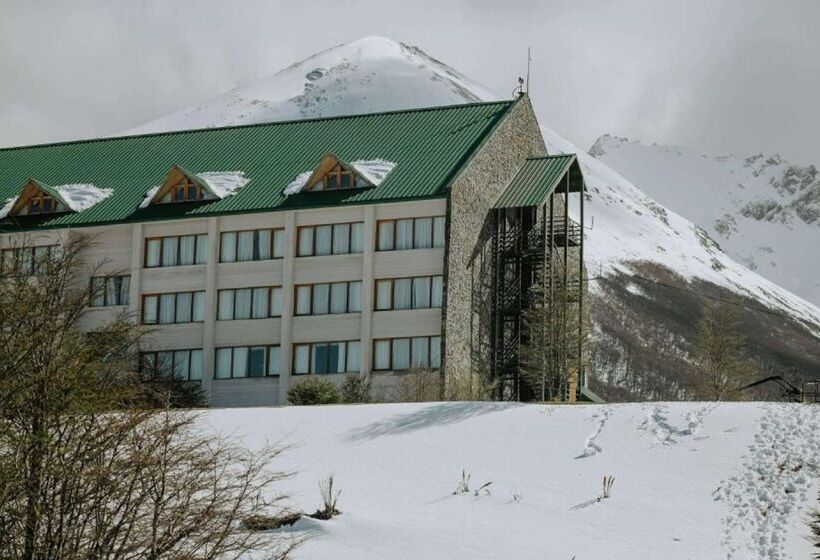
point(429, 147)
point(537, 178)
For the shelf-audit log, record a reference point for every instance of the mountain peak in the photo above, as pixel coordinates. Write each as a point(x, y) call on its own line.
point(366, 75)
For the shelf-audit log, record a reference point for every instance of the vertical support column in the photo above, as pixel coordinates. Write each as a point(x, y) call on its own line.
point(368, 288)
point(286, 341)
point(209, 325)
point(137, 251)
point(581, 285)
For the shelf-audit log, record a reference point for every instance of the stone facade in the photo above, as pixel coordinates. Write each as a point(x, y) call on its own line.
point(471, 196)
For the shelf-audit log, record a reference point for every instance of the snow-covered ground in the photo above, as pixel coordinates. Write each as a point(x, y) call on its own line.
point(375, 74)
point(692, 480)
point(763, 210)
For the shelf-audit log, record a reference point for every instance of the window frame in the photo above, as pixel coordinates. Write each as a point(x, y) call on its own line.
point(255, 249)
point(41, 198)
point(333, 228)
point(175, 295)
point(173, 352)
point(337, 172)
point(311, 353)
point(103, 292)
point(197, 240)
point(22, 263)
point(248, 348)
point(185, 185)
point(270, 315)
point(390, 342)
point(394, 221)
point(311, 288)
point(413, 279)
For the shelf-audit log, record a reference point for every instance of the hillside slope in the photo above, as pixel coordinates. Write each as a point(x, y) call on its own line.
point(692, 480)
point(633, 242)
point(763, 210)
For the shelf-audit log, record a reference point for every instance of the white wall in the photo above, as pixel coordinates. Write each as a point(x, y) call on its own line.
point(122, 248)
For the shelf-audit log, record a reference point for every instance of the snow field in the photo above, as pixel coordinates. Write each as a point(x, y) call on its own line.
point(684, 478)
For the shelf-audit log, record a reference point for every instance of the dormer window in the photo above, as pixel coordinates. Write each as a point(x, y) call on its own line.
point(186, 190)
point(334, 174)
point(42, 203)
point(339, 178)
point(183, 186)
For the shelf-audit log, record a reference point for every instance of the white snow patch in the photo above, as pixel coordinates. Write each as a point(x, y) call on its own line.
point(298, 184)
point(636, 290)
point(224, 183)
point(82, 196)
point(7, 205)
point(375, 171)
point(149, 196)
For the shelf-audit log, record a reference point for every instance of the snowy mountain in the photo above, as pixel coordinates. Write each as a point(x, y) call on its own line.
point(706, 481)
point(648, 263)
point(763, 210)
point(364, 76)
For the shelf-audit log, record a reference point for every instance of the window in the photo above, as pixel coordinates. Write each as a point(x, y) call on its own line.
point(327, 357)
point(181, 307)
point(185, 365)
point(186, 190)
point(331, 239)
point(423, 292)
point(26, 260)
point(252, 245)
point(250, 303)
point(42, 203)
point(339, 178)
point(247, 361)
point(110, 290)
point(410, 233)
point(176, 250)
point(404, 353)
point(324, 299)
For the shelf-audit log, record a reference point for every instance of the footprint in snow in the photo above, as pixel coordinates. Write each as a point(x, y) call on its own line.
point(590, 446)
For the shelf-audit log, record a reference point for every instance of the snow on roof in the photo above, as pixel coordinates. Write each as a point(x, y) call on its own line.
point(374, 171)
point(224, 183)
point(149, 196)
point(221, 184)
point(298, 183)
point(82, 196)
point(7, 206)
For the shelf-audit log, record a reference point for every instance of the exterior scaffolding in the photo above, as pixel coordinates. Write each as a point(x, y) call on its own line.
point(537, 256)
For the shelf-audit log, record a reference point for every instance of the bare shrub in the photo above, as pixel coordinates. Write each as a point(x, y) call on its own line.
point(330, 500)
point(357, 388)
point(89, 467)
point(418, 385)
point(463, 486)
point(609, 480)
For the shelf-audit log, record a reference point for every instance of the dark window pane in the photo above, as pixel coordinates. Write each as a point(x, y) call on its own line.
point(256, 362)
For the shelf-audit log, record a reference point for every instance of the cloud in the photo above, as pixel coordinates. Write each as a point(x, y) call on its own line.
point(723, 76)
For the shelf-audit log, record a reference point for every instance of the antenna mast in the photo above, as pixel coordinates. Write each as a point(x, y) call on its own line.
point(529, 59)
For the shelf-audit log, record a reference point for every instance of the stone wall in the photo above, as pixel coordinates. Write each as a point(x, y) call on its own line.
point(473, 192)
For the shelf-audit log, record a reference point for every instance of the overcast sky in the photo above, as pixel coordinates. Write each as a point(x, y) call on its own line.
point(721, 76)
